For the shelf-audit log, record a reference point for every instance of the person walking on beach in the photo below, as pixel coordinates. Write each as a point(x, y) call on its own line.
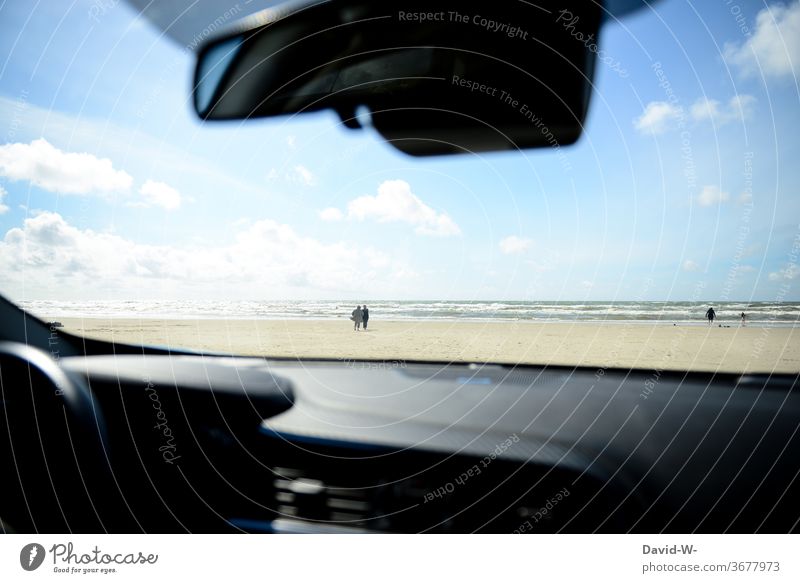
point(357, 318)
point(365, 316)
point(711, 314)
point(744, 317)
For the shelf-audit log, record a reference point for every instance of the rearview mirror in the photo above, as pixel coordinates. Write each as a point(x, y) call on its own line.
point(436, 76)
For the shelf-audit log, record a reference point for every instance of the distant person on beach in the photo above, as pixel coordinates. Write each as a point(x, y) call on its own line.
point(744, 317)
point(365, 316)
point(711, 314)
point(357, 318)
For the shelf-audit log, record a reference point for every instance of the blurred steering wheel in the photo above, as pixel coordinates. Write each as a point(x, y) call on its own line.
point(54, 445)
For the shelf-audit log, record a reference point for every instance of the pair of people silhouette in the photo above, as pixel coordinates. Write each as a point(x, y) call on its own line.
point(360, 317)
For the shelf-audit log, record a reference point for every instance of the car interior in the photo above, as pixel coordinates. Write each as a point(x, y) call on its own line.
point(113, 437)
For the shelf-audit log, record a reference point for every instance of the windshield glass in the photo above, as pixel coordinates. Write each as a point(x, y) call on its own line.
point(666, 238)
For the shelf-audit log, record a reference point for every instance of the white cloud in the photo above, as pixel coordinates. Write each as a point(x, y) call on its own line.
point(3, 207)
point(711, 195)
point(774, 47)
point(513, 244)
point(690, 265)
point(302, 174)
point(791, 271)
point(265, 255)
point(136, 147)
point(331, 214)
point(160, 194)
point(660, 116)
point(657, 117)
point(739, 107)
point(297, 174)
point(396, 203)
point(704, 109)
point(64, 172)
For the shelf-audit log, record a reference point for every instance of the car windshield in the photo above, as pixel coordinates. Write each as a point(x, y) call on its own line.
point(666, 238)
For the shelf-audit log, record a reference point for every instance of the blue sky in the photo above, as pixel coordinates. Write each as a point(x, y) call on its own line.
point(684, 187)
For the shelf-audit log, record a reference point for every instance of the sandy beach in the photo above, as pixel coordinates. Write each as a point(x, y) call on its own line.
point(657, 346)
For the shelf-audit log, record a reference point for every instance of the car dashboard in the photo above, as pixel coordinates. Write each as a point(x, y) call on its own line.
point(210, 443)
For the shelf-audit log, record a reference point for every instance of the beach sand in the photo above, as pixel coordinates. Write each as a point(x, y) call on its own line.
point(650, 346)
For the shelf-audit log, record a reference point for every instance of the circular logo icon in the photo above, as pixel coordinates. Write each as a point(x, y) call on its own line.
point(31, 556)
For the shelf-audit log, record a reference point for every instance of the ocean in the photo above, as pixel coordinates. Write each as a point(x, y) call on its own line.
point(758, 313)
